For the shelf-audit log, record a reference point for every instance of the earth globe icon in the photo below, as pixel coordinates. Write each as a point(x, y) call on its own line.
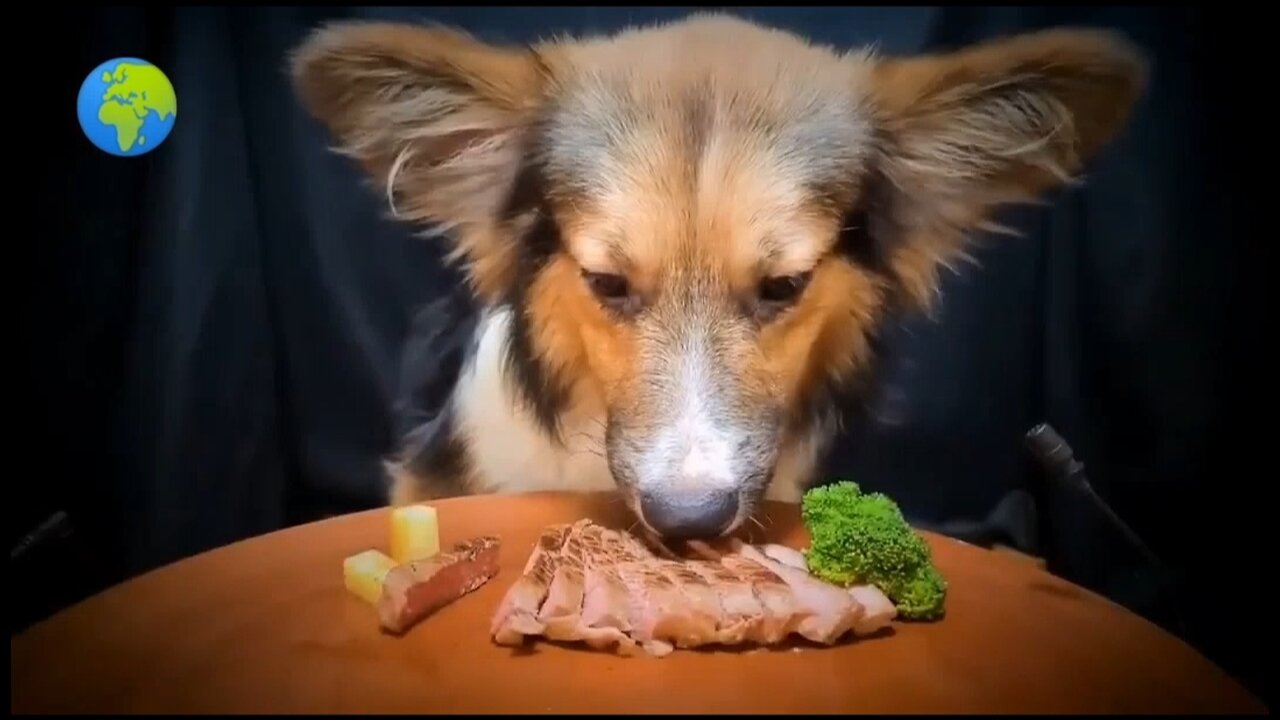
point(127, 107)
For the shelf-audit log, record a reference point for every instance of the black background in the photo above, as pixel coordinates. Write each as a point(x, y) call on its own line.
point(216, 329)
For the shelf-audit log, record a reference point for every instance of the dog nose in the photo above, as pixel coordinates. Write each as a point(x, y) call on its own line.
point(704, 515)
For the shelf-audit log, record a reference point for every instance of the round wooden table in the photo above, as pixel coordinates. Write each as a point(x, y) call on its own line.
point(267, 626)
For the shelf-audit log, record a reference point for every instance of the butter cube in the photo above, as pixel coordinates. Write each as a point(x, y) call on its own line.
point(364, 572)
point(415, 533)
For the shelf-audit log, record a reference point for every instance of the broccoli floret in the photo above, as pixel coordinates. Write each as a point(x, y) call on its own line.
point(863, 538)
point(922, 597)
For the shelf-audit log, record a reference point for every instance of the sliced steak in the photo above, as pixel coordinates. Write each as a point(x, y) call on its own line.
point(518, 614)
point(786, 556)
point(824, 612)
point(587, 546)
point(416, 589)
point(559, 612)
point(548, 599)
point(607, 589)
point(781, 610)
point(880, 610)
point(669, 605)
point(605, 621)
point(741, 614)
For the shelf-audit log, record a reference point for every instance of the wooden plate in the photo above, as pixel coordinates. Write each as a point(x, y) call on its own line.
point(267, 626)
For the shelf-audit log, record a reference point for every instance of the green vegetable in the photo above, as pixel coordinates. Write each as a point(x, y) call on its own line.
point(862, 538)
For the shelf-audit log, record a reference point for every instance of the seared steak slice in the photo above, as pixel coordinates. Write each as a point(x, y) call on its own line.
point(517, 616)
point(559, 612)
point(824, 612)
point(548, 599)
point(587, 546)
point(605, 621)
point(671, 606)
point(742, 616)
point(415, 589)
point(880, 610)
point(780, 606)
point(607, 589)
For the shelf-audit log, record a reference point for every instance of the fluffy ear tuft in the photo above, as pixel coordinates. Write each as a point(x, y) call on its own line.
point(435, 117)
point(1000, 122)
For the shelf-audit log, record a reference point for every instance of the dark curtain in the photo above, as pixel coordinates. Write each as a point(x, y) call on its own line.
point(220, 329)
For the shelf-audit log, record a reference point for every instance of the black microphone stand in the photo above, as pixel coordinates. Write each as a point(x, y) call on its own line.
point(1063, 468)
point(1065, 471)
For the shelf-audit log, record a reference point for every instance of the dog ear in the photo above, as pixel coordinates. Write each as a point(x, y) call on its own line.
point(996, 123)
point(436, 117)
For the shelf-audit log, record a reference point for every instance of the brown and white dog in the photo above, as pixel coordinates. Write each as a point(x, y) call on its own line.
point(684, 237)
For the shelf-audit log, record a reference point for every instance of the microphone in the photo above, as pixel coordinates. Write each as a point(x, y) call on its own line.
point(1059, 461)
point(1066, 472)
point(56, 527)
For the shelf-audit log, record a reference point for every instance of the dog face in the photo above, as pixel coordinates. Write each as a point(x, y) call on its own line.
point(699, 226)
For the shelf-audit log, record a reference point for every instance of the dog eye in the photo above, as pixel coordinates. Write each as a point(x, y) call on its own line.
point(608, 287)
point(782, 290)
point(613, 291)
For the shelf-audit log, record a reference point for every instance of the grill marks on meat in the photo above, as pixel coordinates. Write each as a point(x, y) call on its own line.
point(550, 596)
point(519, 609)
point(605, 620)
point(742, 615)
point(560, 615)
point(779, 609)
point(586, 583)
point(821, 611)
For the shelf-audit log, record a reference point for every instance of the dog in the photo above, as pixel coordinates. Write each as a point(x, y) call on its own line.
point(684, 238)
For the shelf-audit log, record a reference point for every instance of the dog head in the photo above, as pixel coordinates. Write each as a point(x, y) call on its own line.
point(699, 226)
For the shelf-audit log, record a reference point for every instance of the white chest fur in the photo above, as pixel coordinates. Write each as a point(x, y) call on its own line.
point(509, 451)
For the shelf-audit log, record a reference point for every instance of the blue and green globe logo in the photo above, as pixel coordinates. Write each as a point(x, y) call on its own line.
point(127, 107)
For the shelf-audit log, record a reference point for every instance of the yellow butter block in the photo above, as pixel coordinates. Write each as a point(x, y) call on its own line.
point(364, 572)
point(415, 533)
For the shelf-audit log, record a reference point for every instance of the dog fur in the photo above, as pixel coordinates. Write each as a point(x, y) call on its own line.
point(685, 237)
